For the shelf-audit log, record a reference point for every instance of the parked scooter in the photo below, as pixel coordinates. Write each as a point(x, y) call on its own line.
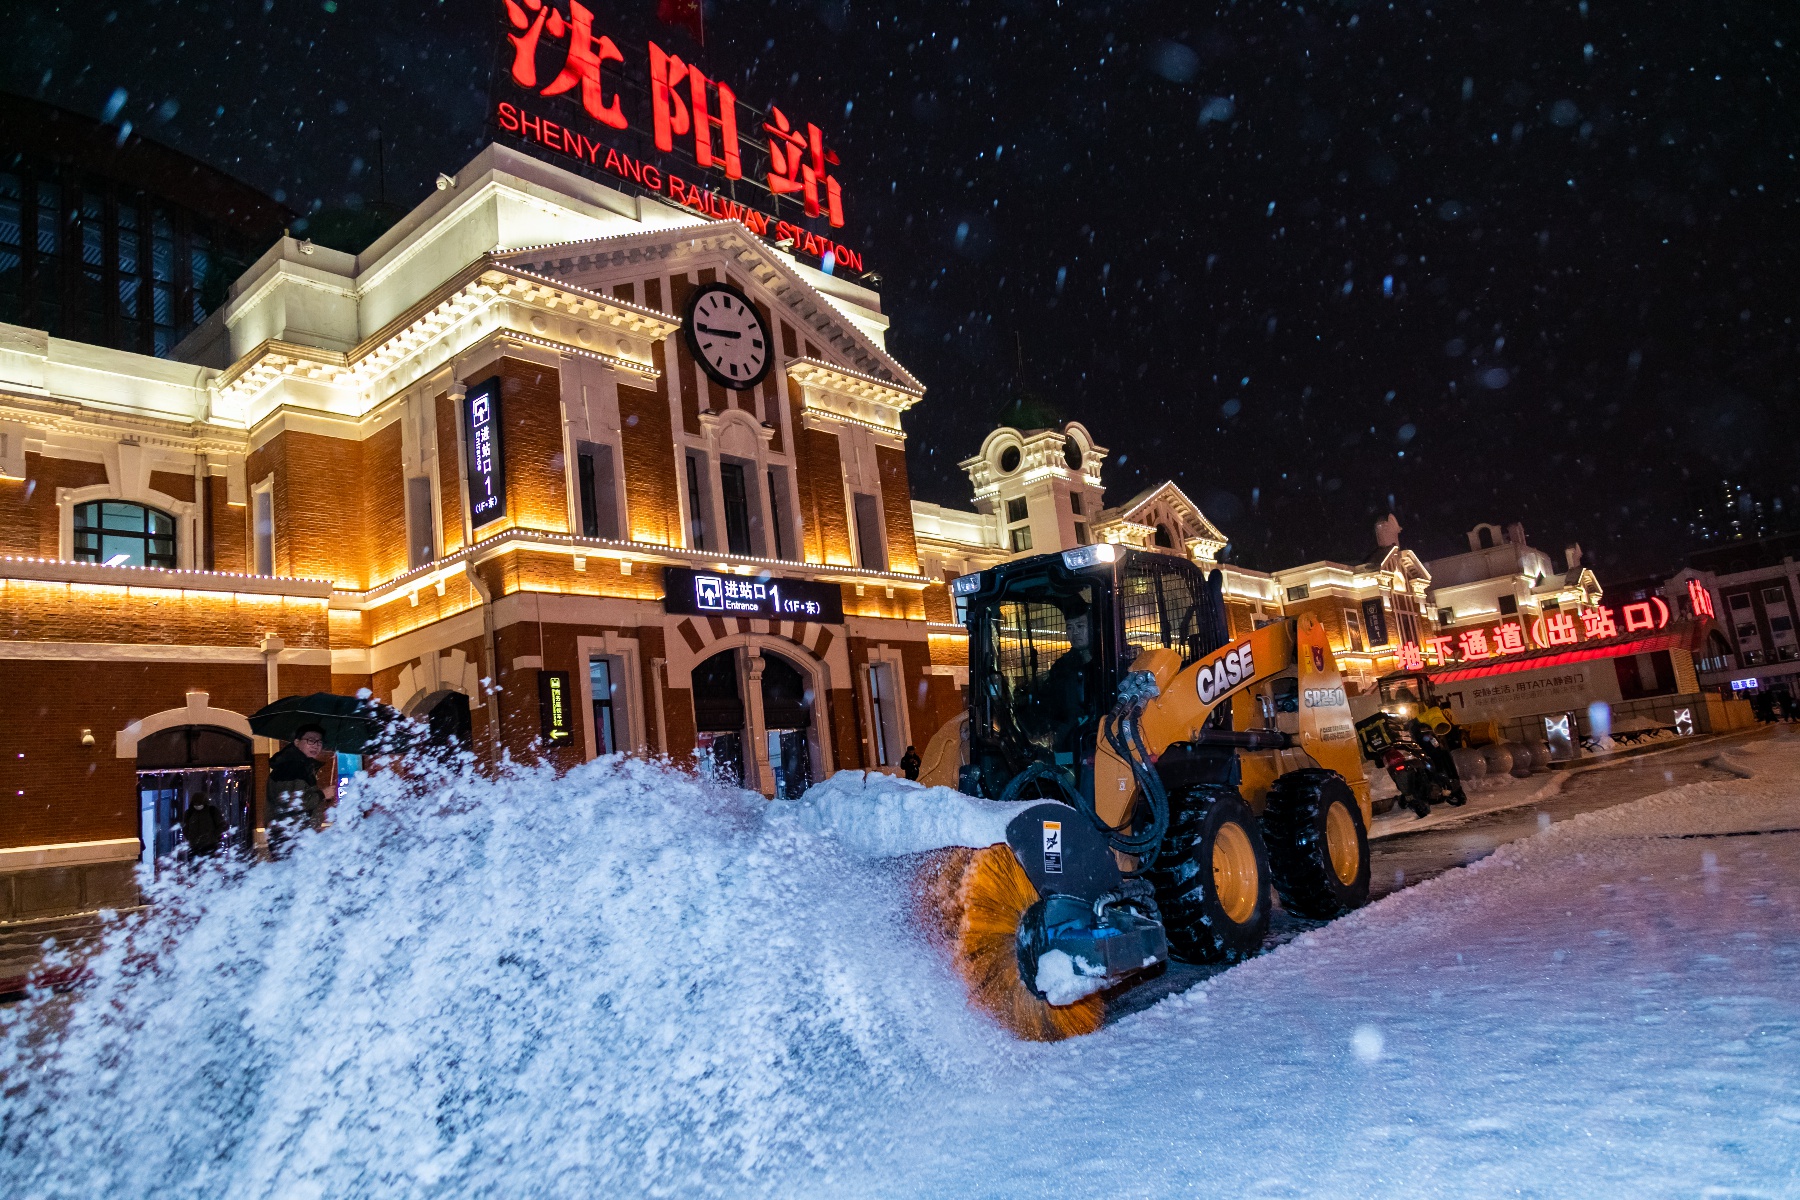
point(1415, 759)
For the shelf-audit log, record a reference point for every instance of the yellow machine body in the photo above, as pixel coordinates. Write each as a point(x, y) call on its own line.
point(1242, 673)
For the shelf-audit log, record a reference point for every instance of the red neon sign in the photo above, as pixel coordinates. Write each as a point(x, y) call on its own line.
point(684, 104)
point(1552, 630)
point(1700, 598)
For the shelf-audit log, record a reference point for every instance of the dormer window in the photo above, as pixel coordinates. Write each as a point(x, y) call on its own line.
point(1018, 518)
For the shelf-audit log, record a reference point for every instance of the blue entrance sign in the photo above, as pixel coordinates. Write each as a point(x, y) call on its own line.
point(701, 593)
point(486, 459)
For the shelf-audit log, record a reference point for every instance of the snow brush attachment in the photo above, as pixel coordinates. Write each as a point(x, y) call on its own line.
point(1038, 926)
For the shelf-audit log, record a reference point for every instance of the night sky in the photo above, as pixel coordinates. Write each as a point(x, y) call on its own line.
point(1473, 261)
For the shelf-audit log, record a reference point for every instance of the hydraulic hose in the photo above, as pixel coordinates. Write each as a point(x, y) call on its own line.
point(1120, 728)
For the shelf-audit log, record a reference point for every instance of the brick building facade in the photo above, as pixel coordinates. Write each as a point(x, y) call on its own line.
point(286, 508)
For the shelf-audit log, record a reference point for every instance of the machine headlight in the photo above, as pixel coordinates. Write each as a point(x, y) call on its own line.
point(966, 585)
point(1090, 556)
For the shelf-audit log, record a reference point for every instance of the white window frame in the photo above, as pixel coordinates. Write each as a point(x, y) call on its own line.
point(629, 726)
point(884, 656)
point(263, 487)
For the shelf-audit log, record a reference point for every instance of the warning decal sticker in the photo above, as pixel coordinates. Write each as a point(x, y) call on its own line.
point(1052, 847)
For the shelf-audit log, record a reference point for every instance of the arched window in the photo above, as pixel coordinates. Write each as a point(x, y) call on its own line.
point(1487, 538)
point(122, 534)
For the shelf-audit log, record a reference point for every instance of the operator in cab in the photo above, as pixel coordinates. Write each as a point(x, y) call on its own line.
point(1065, 691)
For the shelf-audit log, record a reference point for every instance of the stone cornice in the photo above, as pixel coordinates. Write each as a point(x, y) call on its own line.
point(79, 419)
point(55, 570)
point(443, 324)
point(649, 553)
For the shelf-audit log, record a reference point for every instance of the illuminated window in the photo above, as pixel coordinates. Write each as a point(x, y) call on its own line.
point(776, 520)
point(262, 513)
point(600, 684)
point(599, 503)
point(421, 538)
point(884, 706)
point(696, 519)
point(737, 507)
point(868, 532)
point(124, 535)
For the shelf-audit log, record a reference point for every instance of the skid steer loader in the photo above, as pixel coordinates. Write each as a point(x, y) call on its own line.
point(1178, 775)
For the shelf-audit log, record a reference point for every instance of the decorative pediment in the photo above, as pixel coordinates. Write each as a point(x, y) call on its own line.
point(1163, 510)
point(826, 322)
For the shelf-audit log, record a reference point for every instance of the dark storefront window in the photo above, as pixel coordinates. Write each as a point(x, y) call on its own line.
point(124, 535)
point(85, 258)
point(12, 248)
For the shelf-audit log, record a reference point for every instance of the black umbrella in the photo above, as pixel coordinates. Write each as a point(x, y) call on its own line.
point(351, 723)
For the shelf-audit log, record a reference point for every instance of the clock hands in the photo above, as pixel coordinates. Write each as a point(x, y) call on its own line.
point(717, 332)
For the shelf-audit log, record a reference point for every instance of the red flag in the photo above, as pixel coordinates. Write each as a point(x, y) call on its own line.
point(684, 14)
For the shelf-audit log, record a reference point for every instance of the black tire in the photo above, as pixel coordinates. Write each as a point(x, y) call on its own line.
point(1213, 840)
point(1312, 825)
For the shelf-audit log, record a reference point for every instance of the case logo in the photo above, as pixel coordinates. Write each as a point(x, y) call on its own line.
point(1227, 674)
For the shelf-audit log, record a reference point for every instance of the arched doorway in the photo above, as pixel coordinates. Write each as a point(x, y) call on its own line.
point(719, 720)
point(448, 719)
point(184, 766)
point(787, 725)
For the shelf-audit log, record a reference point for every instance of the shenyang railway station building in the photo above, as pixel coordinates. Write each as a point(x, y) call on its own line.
point(501, 469)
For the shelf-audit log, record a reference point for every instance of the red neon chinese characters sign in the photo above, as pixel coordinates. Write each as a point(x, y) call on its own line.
point(669, 116)
point(582, 64)
point(1410, 658)
point(684, 103)
point(1553, 629)
point(787, 173)
point(1700, 598)
point(1647, 614)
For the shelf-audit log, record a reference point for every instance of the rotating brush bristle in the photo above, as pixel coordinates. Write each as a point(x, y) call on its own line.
point(971, 902)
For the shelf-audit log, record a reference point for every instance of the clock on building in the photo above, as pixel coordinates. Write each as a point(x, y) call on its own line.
point(728, 336)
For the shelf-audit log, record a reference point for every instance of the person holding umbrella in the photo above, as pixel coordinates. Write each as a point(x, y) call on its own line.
point(320, 727)
point(295, 796)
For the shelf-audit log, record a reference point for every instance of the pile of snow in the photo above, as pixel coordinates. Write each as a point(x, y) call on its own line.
point(624, 981)
point(884, 816)
point(1063, 978)
point(628, 982)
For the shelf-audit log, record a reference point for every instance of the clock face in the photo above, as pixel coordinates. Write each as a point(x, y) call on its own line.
point(728, 336)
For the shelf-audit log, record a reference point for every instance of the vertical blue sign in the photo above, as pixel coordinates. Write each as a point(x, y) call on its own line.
point(487, 463)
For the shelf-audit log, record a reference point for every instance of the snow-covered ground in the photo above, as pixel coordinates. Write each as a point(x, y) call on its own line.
point(626, 982)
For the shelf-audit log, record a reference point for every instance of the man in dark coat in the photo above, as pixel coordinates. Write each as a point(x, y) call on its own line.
point(295, 798)
point(909, 763)
point(202, 828)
